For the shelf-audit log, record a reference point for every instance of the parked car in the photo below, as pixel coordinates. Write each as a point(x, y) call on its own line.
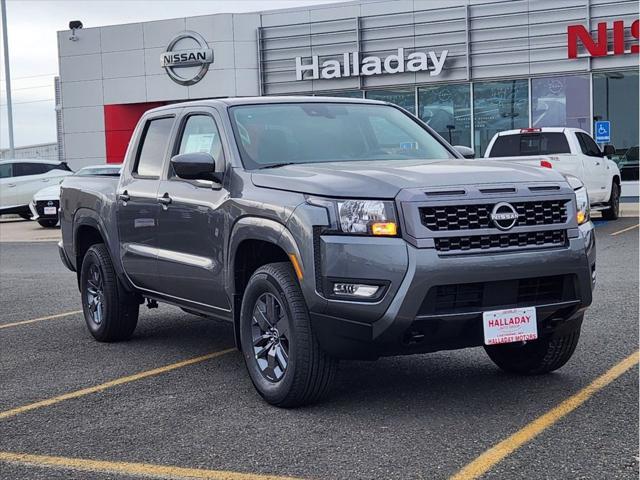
point(45, 204)
point(21, 179)
point(328, 229)
point(568, 150)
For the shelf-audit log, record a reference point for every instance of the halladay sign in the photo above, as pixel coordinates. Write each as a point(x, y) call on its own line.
point(352, 66)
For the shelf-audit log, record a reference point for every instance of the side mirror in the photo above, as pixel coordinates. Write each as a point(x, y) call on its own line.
point(609, 150)
point(195, 166)
point(466, 152)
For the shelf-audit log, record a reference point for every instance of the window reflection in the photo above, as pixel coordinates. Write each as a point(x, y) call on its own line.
point(447, 109)
point(498, 106)
point(615, 98)
point(560, 102)
point(403, 98)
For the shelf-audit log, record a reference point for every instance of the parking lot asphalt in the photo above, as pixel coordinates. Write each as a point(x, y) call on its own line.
point(128, 409)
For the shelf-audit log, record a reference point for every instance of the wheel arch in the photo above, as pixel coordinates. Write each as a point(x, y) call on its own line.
point(88, 230)
point(255, 242)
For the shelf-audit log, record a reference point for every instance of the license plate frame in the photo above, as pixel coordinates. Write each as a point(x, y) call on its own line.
point(509, 325)
point(50, 210)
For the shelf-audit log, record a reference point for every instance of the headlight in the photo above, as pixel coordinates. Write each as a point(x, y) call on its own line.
point(362, 217)
point(583, 209)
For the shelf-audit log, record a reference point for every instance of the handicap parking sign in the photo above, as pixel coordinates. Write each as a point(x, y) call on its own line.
point(602, 132)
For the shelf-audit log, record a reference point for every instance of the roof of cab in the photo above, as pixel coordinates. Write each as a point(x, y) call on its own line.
point(229, 102)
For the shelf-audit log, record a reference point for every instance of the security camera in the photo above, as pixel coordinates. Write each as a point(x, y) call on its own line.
point(73, 26)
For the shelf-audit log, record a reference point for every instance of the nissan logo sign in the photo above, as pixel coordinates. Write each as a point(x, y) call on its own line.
point(504, 216)
point(187, 58)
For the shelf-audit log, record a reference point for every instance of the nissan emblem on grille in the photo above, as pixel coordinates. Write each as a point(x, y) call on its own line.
point(504, 216)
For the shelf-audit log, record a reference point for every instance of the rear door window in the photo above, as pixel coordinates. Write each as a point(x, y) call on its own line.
point(24, 169)
point(546, 143)
point(153, 149)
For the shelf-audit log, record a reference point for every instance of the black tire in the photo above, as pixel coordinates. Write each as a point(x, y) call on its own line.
point(309, 371)
point(118, 315)
point(48, 223)
point(540, 356)
point(25, 215)
point(612, 212)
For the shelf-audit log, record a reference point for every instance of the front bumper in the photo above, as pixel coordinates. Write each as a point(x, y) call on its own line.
point(403, 321)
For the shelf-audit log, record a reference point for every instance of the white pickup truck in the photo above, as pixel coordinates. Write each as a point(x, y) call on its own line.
point(568, 150)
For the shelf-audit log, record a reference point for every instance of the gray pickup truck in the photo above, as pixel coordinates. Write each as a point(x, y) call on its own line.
point(329, 229)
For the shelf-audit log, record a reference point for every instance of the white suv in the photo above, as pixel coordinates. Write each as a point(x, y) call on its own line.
point(20, 179)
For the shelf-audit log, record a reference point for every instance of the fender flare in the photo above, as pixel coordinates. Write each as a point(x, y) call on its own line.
point(86, 217)
point(258, 228)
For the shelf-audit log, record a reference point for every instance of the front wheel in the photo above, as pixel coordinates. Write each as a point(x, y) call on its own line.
point(539, 356)
point(612, 212)
point(48, 223)
point(111, 313)
point(281, 352)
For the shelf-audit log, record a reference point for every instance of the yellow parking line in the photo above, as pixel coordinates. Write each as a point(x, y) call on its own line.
point(50, 317)
point(112, 383)
point(497, 453)
point(143, 469)
point(624, 230)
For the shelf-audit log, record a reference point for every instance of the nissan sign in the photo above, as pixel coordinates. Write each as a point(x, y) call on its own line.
point(187, 58)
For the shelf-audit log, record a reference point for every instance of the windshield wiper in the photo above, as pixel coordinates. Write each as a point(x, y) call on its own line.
point(276, 165)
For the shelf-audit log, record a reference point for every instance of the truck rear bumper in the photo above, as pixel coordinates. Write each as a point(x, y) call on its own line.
point(439, 303)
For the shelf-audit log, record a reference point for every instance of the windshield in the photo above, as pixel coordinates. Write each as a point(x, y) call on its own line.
point(526, 144)
point(327, 132)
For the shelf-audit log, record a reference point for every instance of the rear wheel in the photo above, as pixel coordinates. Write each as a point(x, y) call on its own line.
point(540, 356)
point(612, 212)
point(111, 313)
point(48, 223)
point(281, 352)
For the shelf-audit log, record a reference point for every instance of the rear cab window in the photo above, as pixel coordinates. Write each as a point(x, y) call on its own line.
point(153, 147)
point(529, 144)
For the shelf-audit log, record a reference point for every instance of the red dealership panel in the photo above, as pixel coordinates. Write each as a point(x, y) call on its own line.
point(119, 123)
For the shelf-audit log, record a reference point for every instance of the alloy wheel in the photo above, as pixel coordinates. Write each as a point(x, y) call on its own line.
point(95, 294)
point(270, 335)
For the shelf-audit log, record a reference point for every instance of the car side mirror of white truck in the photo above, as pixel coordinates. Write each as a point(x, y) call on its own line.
point(608, 150)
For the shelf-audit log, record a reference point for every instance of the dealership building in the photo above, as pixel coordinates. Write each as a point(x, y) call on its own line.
point(469, 68)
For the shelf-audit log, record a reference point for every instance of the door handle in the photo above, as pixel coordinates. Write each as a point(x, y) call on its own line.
point(597, 163)
point(165, 200)
point(45, 179)
point(11, 185)
point(124, 196)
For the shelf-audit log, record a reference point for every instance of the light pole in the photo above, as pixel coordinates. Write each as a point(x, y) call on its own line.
point(7, 75)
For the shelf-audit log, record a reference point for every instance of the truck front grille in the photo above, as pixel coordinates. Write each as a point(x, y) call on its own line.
point(545, 238)
point(476, 217)
point(475, 297)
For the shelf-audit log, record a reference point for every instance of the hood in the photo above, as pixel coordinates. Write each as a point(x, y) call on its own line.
point(48, 193)
point(385, 178)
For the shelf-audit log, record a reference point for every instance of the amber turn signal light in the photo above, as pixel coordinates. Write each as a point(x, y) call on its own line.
point(387, 229)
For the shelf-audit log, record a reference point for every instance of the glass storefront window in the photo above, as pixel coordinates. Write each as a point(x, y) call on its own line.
point(560, 102)
point(615, 98)
point(498, 106)
point(447, 109)
point(403, 98)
